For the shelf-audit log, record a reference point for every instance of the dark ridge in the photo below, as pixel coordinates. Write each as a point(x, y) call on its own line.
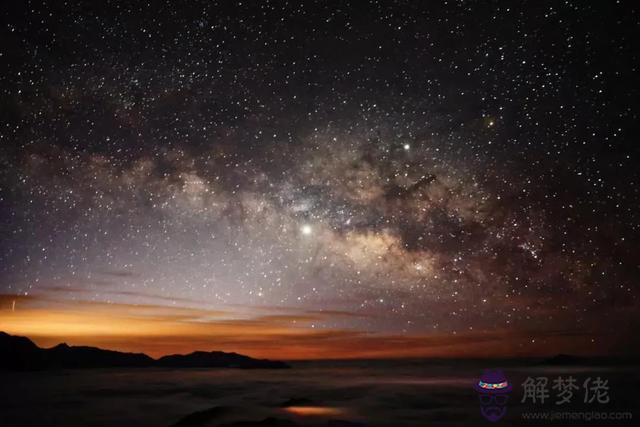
point(203, 359)
point(201, 418)
point(20, 353)
point(267, 422)
point(572, 360)
point(65, 356)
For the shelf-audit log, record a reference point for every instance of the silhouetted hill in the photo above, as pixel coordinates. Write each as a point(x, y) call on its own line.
point(216, 359)
point(571, 360)
point(65, 356)
point(20, 353)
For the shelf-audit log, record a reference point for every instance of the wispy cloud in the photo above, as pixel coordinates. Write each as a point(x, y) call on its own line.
point(118, 273)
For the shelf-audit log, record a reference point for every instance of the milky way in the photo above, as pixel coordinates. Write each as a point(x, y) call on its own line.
point(465, 166)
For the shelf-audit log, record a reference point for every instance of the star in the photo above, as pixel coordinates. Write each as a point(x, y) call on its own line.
point(306, 229)
point(304, 159)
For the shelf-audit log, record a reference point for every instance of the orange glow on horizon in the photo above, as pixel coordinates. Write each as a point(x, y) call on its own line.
point(161, 330)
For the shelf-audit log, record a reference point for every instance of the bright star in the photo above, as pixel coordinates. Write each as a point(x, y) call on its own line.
point(306, 229)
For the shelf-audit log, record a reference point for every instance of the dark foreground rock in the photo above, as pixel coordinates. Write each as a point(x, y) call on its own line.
point(201, 418)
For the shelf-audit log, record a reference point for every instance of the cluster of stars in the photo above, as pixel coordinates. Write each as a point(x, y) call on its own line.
point(428, 168)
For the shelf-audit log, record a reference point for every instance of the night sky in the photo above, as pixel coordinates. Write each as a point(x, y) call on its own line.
point(321, 179)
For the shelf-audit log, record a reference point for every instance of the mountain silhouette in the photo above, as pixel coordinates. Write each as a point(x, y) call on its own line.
point(217, 359)
point(20, 353)
point(65, 356)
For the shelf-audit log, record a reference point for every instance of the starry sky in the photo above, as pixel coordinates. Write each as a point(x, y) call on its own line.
point(320, 178)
